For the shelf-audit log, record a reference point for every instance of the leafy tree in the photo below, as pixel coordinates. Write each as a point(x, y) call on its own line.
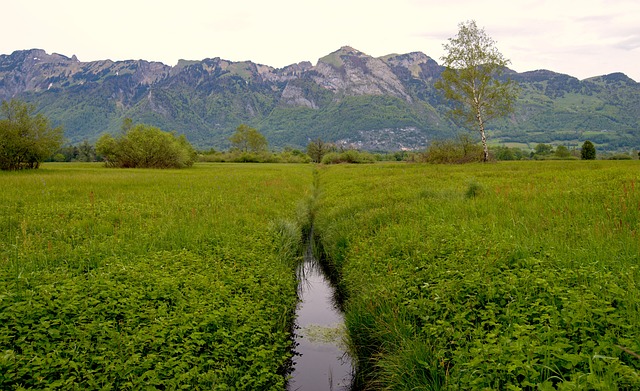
point(83, 152)
point(69, 152)
point(248, 139)
point(25, 139)
point(503, 153)
point(507, 153)
point(541, 150)
point(86, 152)
point(588, 151)
point(146, 146)
point(472, 80)
point(59, 157)
point(562, 152)
point(316, 150)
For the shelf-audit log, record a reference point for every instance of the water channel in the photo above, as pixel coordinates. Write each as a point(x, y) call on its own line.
point(320, 363)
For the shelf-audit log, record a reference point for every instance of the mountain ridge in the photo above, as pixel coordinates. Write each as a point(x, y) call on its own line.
point(349, 97)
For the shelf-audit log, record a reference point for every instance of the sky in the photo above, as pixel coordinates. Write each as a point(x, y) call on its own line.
point(583, 39)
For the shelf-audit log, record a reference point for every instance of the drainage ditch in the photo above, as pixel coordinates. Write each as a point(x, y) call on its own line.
point(321, 361)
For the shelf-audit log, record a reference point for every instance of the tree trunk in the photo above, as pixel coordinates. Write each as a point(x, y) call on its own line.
point(483, 137)
point(485, 149)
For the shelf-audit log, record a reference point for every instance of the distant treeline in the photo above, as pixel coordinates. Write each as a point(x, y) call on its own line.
point(439, 151)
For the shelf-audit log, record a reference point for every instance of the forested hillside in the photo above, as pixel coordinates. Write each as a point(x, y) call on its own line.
point(386, 103)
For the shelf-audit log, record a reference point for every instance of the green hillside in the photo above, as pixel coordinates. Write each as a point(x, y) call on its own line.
point(386, 103)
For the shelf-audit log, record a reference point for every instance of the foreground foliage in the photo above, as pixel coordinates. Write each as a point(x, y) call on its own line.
point(147, 279)
point(508, 276)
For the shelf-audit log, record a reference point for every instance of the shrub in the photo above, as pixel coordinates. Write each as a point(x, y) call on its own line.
point(348, 156)
point(454, 152)
point(236, 156)
point(25, 139)
point(145, 146)
point(619, 156)
point(293, 157)
point(507, 153)
point(562, 152)
point(316, 149)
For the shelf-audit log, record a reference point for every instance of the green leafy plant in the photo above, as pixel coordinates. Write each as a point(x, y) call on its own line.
point(544, 300)
point(155, 279)
point(145, 146)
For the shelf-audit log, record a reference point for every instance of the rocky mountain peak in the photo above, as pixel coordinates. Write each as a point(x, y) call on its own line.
point(419, 65)
point(298, 68)
point(407, 59)
point(347, 95)
point(352, 72)
point(614, 78)
point(32, 57)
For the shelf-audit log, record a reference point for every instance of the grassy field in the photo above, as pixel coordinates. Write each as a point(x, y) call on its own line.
point(518, 275)
point(492, 276)
point(148, 279)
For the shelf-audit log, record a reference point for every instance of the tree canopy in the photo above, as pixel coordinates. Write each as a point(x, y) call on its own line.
point(145, 146)
point(472, 80)
point(588, 151)
point(316, 149)
point(26, 139)
point(248, 139)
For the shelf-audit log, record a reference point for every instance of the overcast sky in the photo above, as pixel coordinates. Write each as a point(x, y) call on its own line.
point(581, 38)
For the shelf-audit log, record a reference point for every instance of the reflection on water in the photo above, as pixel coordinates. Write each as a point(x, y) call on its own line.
point(321, 362)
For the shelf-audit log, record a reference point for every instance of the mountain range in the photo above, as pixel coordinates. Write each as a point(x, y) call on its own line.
point(348, 97)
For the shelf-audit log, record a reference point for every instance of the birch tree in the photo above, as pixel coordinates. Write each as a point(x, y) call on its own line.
point(472, 80)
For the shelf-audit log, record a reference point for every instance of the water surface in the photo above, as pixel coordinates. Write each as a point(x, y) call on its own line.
point(321, 363)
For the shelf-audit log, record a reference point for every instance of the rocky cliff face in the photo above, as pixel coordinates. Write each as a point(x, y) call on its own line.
point(381, 103)
point(351, 72)
point(347, 72)
point(36, 71)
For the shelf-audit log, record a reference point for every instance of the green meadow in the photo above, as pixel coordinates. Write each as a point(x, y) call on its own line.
point(502, 276)
point(148, 279)
point(506, 276)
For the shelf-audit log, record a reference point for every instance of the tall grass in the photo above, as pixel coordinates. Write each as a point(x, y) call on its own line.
point(501, 276)
point(148, 278)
